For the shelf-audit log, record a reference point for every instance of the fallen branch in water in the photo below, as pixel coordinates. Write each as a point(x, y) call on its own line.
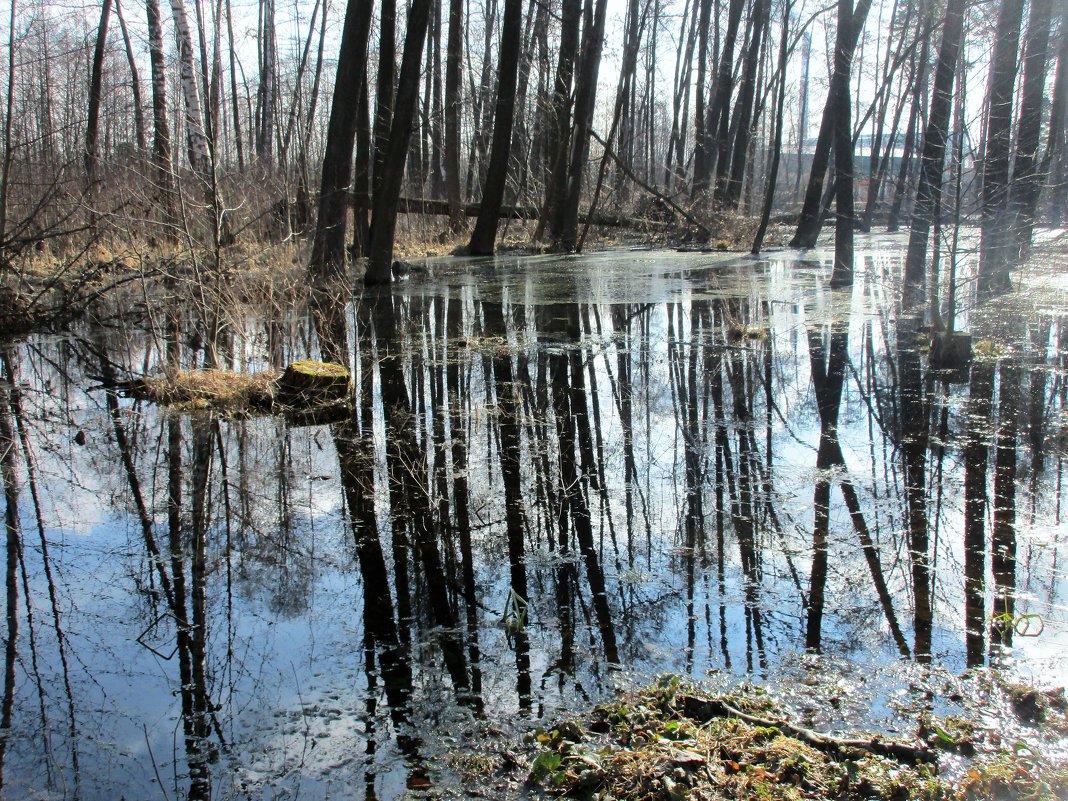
point(703, 710)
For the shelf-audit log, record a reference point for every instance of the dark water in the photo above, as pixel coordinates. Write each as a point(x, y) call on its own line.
point(560, 474)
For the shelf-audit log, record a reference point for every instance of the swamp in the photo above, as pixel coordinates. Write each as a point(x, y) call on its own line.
point(631, 400)
point(555, 477)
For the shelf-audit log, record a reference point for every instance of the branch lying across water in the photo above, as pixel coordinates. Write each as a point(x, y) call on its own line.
point(705, 709)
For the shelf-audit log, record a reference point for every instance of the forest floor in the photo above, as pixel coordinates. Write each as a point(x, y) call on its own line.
point(675, 740)
point(45, 288)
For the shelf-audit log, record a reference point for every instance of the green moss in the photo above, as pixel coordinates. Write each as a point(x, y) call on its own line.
point(989, 349)
point(311, 368)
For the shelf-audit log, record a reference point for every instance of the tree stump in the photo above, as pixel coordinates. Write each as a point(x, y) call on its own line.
point(310, 383)
point(951, 355)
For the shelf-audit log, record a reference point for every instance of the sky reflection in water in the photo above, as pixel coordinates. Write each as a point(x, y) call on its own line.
point(648, 449)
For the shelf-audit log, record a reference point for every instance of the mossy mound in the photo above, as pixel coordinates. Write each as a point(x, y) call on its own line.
point(192, 390)
point(311, 383)
point(305, 387)
point(649, 746)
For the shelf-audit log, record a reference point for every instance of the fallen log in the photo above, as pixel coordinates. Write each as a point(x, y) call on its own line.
point(440, 208)
point(703, 710)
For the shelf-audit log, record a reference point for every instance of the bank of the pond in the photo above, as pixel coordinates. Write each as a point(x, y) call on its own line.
point(675, 740)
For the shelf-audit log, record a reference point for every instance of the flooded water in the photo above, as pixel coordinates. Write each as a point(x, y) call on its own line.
point(559, 474)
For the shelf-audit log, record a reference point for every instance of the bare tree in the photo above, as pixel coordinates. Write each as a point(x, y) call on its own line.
point(453, 62)
point(201, 157)
point(328, 245)
point(92, 148)
point(932, 165)
point(993, 245)
point(484, 235)
point(387, 190)
point(135, 81)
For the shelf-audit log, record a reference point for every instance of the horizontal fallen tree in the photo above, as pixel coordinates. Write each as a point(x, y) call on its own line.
point(440, 208)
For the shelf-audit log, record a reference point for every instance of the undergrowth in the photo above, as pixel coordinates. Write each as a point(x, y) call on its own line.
point(644, 747)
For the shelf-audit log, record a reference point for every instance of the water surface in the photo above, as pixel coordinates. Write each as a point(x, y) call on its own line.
point(559, 474)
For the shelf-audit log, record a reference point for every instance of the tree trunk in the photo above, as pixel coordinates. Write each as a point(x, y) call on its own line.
point(929, 192)
point(453, 60)
point(485, 233)
point(802, 113)
point(477, 168)
point(196, 142)
point(387, 191)
point(842, 275)
point(1055, 162)
point(717, 123)
point(92, 150)
point(386, 85)
point(9, 145)
point(437, 177)
point(201, 158)
point(265, 96)
point(161, 131)
point(632, 43)
point(1027, 173)
point(298, 82)
point(776, 152)
point(238, 139)
point(681, 100)
point(361, 217)
point(585, 97)
point(878, 176)
point(328, 246)
point(808, 227)
point(994, 230)
point(919, 94)
point(135, 82)
point(304, 201)
point(537, 17)
point(701, 140)
point(560, 128)
point(877, 161)
point(215, 92)
point(730, 192)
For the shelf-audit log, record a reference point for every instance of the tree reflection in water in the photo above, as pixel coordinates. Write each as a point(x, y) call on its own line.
point(548, 475)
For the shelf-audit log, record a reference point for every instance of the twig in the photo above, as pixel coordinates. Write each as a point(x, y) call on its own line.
point(155, 767)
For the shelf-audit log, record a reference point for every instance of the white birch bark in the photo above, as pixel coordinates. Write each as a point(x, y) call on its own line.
point(197, 142)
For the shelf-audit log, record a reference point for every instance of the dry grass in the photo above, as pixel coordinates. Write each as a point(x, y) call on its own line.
point(208, 389)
